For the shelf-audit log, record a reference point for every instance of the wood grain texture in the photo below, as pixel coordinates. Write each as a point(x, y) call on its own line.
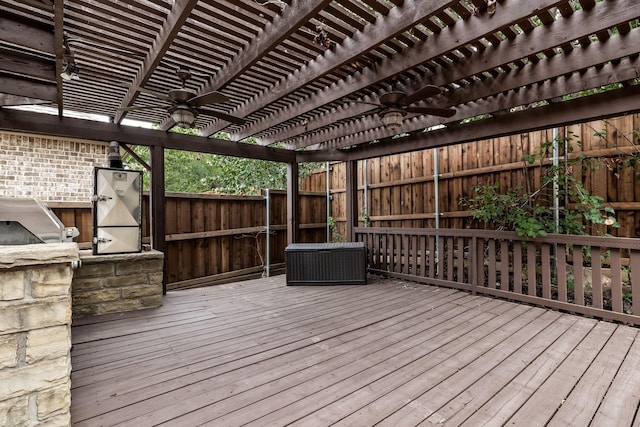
point(392, 352)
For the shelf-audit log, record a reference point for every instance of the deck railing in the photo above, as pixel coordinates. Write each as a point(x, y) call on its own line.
point(596, 276)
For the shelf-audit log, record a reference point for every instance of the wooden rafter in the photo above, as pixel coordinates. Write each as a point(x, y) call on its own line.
point(492, 58)
point(170, 28)
point(603, 105)
point(420, 53)
point(400, 20)
point(298, 71)
point(538, 83)
point(58, 24)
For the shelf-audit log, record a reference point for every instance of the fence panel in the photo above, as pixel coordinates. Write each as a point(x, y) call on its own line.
point(212, 237)
point(401, 188)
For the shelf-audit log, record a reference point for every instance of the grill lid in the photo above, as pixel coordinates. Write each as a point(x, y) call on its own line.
point(28, 220)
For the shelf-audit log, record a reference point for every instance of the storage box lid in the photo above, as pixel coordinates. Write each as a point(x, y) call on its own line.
point(323, 246)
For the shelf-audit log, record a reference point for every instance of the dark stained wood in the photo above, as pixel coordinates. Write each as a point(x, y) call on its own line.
point(561, 271)
point(351, 184)
point(165, 36)
point(157, 207)
point(503, 54)
point(556, 82)
point(26, 33)
point(580, 109)
point(294, 69)
point(42, 91)
point(68, 127)
point(398, 21)
point(293, 208)
point(34, 67)
point(391, 352)
point(265, 41)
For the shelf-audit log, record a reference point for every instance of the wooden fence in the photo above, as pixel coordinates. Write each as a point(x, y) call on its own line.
point(213, 238)
point(596, 276)
point(411, 190)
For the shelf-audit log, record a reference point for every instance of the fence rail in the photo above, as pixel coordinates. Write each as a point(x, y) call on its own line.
point(596, 276)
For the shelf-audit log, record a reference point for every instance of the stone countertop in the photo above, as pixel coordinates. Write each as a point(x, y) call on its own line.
point(87, 256)
point(43, 253)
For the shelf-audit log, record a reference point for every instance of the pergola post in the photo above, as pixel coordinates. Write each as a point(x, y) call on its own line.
point(157, 205)
point(293, 194)
point(352, 198)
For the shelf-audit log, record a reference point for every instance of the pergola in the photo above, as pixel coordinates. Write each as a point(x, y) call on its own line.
point(302, 78)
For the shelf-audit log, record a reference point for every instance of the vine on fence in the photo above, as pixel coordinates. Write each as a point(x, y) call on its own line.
point(529, 208)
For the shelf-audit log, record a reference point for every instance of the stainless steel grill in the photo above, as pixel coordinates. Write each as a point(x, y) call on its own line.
point(26, 221)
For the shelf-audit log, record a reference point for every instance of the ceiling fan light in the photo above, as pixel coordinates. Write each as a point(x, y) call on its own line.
point(184, 117)
point(70, 71)
point(392, 119)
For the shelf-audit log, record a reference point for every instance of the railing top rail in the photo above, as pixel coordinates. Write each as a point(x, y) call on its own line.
point(565, 239)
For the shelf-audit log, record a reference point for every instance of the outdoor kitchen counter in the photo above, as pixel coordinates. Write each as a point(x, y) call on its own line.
point(35, 333)
point(117, 282)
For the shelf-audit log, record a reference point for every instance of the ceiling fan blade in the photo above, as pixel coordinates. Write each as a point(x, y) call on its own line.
point(440, 112)
point(219, 115)
point(140, 107)
point(208, 98)
point(420, 94)
point(368, 103)
point(153, 93)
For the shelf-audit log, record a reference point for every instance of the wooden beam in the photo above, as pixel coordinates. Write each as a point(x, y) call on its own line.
point(158, 218)
point(265, 41)
point(551, 68)
point(398, 20)
point(27, 34)
point(58, 26)
point(581, 23)
point(543, 84)
point(29, 66)
point(67, 127)
point(351, 185)
point(293, 209)
point(28, 88)
point(458, 35)
point(7, 100)
point(133, 154)
point(170, 28)
point(595, 107)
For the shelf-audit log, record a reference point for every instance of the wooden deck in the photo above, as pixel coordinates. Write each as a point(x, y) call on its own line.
point(391, 353)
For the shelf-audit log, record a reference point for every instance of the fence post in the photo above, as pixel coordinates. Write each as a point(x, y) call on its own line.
point(328, 180)
point(267, 257)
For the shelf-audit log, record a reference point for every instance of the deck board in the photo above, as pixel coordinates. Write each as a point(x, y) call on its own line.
point(389, 353)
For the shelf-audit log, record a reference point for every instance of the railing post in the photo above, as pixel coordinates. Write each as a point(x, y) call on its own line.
point(473, 264)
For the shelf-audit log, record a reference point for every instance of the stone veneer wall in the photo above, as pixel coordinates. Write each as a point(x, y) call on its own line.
point(35, 334)
point(49, 168)
point(115, 283)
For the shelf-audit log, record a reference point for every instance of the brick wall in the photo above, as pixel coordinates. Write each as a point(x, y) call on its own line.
point(49, 168)
point(35, 334)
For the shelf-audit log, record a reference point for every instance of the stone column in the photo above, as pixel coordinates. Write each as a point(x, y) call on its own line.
point(35, 334)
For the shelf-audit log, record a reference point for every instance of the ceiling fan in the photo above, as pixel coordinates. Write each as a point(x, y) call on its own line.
point(393, 106)
point(184, 104)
